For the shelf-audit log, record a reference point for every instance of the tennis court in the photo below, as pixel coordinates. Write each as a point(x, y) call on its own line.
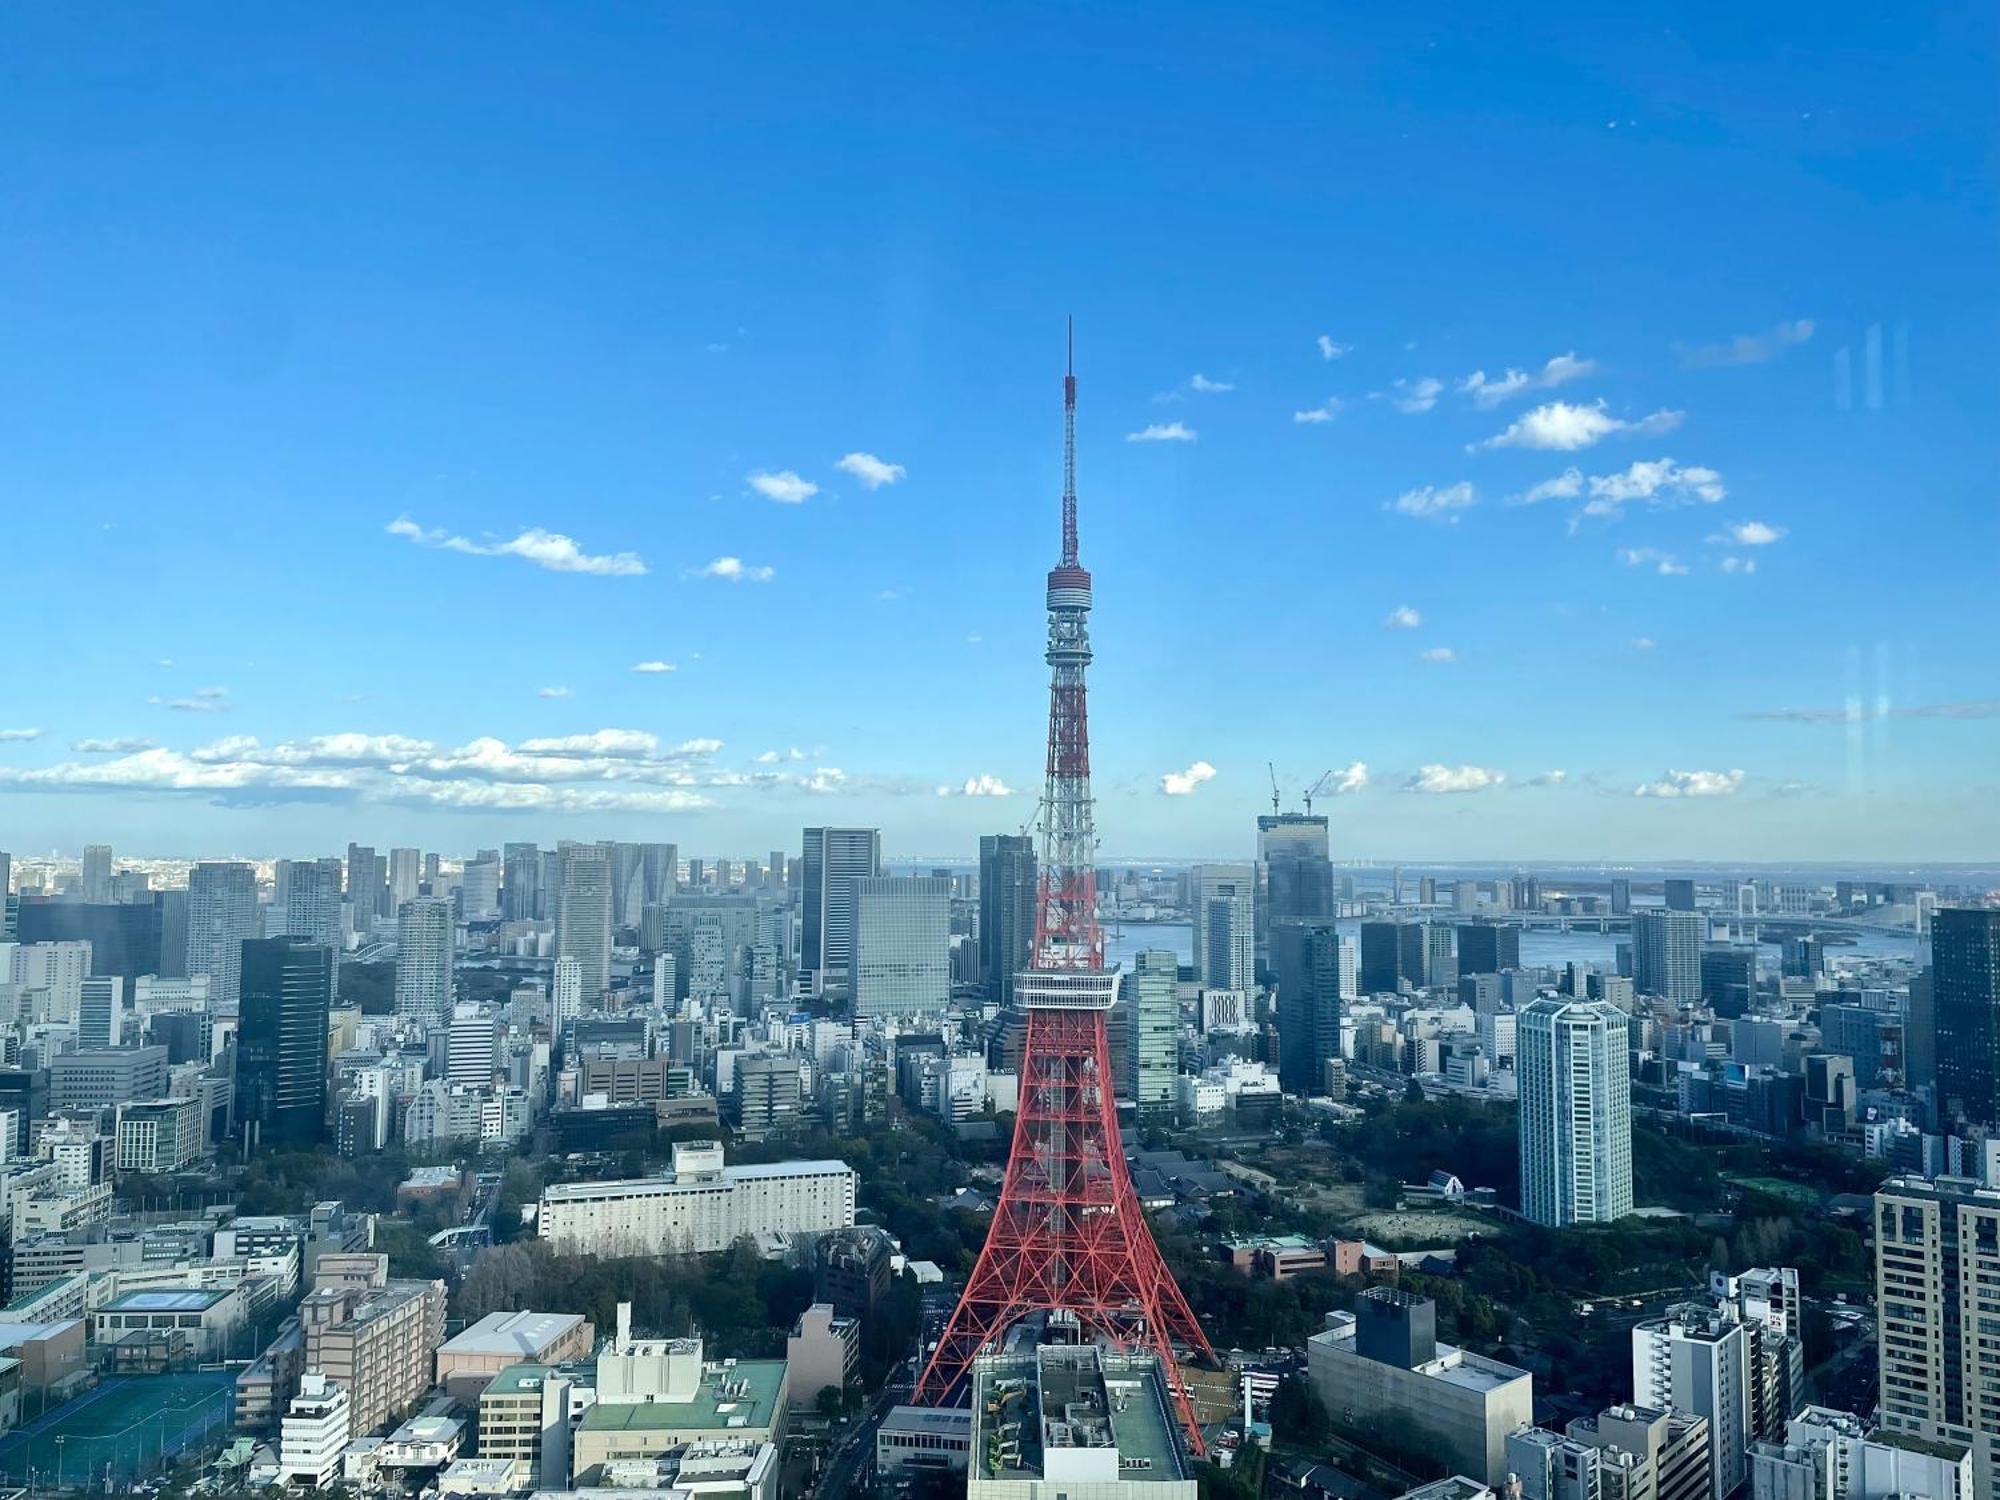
point(119, 1431)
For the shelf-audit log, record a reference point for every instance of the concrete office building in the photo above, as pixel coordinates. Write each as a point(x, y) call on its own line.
point(314, 1433)
point(424, 947)
point(902, 945)
point(700, 1206)
point(160, 1135)
point(1551, 1466)
point(1833, 1455)
point(1647, 1452)
point(501, 1339)
point(100, 1011)
point(1666, 954)
point(823, 1349)
point(832, 861)
point(221, 916)
point(1381, 1370)
point(104, 1077)
point(1697, 1358)
point(1223, 898)
point(1571, 1057)
point(583, 913)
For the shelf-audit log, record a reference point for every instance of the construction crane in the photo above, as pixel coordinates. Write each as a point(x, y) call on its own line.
point(1313, 790)
point(1269, 766)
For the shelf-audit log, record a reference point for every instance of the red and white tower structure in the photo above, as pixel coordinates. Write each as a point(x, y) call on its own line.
point(1068, 1239)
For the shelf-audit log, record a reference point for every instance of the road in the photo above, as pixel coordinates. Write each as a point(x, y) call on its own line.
point(856, 1454)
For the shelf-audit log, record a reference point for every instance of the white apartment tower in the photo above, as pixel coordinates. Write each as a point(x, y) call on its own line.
point(1575, 1112)
point(424, 938)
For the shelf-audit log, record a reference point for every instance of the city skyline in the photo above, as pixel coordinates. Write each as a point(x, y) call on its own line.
point(547, 439)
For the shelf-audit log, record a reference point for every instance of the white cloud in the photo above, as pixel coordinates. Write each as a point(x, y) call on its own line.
point(636, 743)
point(1183, 783)
point(545, 549)
point(978, 786)
point(788, 488)
point(1434, 503)
point(866, 467)
point(1657, 482)
point(772, 757)
point(552, 692)
point(1201, 384)
point(1747, 348)
point(1692, 784)
point(18, 736)
point(1734, 564)
point(1442, 780)
point(124, 745)
point(1549, 778)
point(1565, 426)
point(1326, 411)
point(735, 570)
point(1413, 396)
point(653, 668)
point(1348, 780)
point(208, 700)
point(1403, 617)
point(1664, 563)
point(1565, 486)
point(1642, 643)
point(1749, 534)
point(1162, 432)
point(1328, 349)
point(1488, 392)
point(1438, 654)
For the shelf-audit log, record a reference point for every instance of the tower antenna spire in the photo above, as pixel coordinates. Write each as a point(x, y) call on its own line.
point(1069, 453)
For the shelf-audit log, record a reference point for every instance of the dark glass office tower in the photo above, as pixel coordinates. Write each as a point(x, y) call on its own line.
point(833, 860)
point(1488, 947)
point(1006, 911)
point(1391, 951)
point(1305, 962)
point(281, 1034)
point(1965, 1006)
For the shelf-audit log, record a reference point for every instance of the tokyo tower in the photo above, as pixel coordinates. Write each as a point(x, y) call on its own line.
point(1068, 1237)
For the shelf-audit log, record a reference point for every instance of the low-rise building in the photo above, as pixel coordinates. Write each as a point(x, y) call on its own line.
point(934, 1438)
point(1074, 1419)
point(823, 1350)
point(377, 1340)
point(160, 1135)
point(701, 1205)
point(1382, 1370)
point(313, 1433)
point(206, 1316)
point(466, 1361)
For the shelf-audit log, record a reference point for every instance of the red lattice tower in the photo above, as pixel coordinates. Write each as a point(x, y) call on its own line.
point(1068, 1235)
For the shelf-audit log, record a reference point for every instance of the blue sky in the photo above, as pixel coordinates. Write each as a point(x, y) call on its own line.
point(276, 279)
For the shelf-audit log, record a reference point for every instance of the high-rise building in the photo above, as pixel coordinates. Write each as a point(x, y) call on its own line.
point(1488, 947)
point(1151, 1002)
point(1621, 897)
point(1440, 956)
point(1294, 873)
point(1696, 1358)
point(406, 875)
point(565, 996)
point(100, 1012)
point(312, 906)
point(97, 872)
point(424, 950)
point(1006, 911)
point(1214, 890)
point(832, 861)
point(479, 890)
point(472, 1047)
point(1937, 1263)
point(1575, 1112)
point(1391, 953)
point(1305, 964)
point(222, 916)
point(1680, 895)
point(659, 872)
point(902, 945)
point(1965, 1010)
point(364, 885)
point(1666, 954)
point(281, 1043)
point(583, 913)
point(521, 883)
